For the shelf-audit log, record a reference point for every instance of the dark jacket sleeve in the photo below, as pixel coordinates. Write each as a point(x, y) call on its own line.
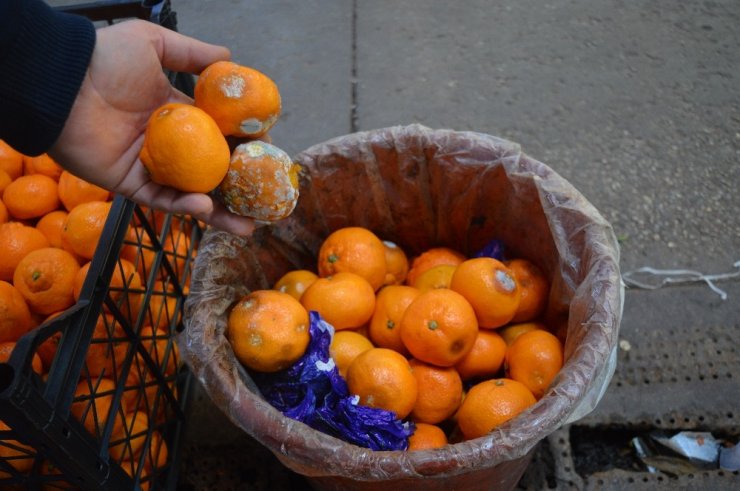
point(44, 56)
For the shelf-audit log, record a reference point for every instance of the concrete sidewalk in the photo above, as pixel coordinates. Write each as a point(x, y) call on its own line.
point(637, 104)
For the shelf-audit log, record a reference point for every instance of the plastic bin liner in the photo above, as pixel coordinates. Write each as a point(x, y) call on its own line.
point(420, 188)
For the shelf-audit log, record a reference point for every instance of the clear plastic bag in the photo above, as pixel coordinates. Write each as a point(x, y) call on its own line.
point(419, 188)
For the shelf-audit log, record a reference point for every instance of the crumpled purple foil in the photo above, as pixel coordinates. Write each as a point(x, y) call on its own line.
point(494, 249)
point(313, 392)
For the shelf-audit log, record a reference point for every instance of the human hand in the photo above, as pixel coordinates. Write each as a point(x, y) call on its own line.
point(124, 84)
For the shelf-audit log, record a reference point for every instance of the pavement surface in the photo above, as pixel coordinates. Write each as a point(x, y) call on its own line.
point(636, 103)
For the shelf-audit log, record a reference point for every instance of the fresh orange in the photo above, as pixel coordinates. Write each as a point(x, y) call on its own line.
point(396, 264)
point(84, 226)
point(42, 164)
point(3, 212)
point(430, 258)
point(45, 278)
point(74, 191)
point(6, 349)
point(344, 348)
point(93, 405)
point(295, 282)
point(344, 300)
point(383, 379)
point(491, 403)
point(435, 277)
point(47, 350)
point(162, 306)
point(261, 183)
point(534, 286)
point(15, 318)
point(491, 289)
point(427, 437)
point(243, 101)
point(268, 330)
point(51, 226)
point(184, 149)
point(355, 250)
point(176, 247)
point(11, 161)
point(157, 455)
point(385, 325)
point(439, 392)
point(439, 327)
point(512, 331)
point(31, 196)
point(107, 348)
point(485, 359)
point(5, 179)
point(161, 348)
point(14, 453)
point(125, 289)
point(129, 440)
point(534, 359)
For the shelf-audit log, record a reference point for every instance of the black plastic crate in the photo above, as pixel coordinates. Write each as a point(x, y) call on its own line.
point(107, 409)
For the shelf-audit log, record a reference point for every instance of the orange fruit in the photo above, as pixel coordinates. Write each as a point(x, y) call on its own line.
point(385, 325)
point(491, 403)
point(42, 164)
point(534, 287)
point(268, 330)
point(396, 264)
point(48, 348)
point(243, 101)
point(430, 258)
point(84, 226)
point(534, 359)
point(3, 212)
point(6, 349)
point(427, 437)
point(184, 149)
point(74, 191)
point(107, 348)
point(15, 317)
point(435, 277)
point(129, 440)
point(344, 300)
point(126, 289)
point(440, 392)
point(295, 282)
point(159, 345)
point(93, 404)
point(45, 278)
point(383, 379)
point(162, 306)
point(16, 241)
point(51, 226)
point(486, 357)
point(491, 289)
point(513, 331)
point(344, 348)
point(16, 454)
point(261, 183)
point(439, 327)
point(355, 250)
point(11, 161)
point(5, 179)
point(31, 196)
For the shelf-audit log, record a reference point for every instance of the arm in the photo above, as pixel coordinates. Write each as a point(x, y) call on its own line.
point(97, 131)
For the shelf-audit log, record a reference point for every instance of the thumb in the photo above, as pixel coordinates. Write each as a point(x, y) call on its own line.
point(181, 53)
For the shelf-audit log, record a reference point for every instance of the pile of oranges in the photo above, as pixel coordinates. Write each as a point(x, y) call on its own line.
point(456, 345)
point(50, 224)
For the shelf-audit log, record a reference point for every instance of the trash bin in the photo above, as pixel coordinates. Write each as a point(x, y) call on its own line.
point(420, 188)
